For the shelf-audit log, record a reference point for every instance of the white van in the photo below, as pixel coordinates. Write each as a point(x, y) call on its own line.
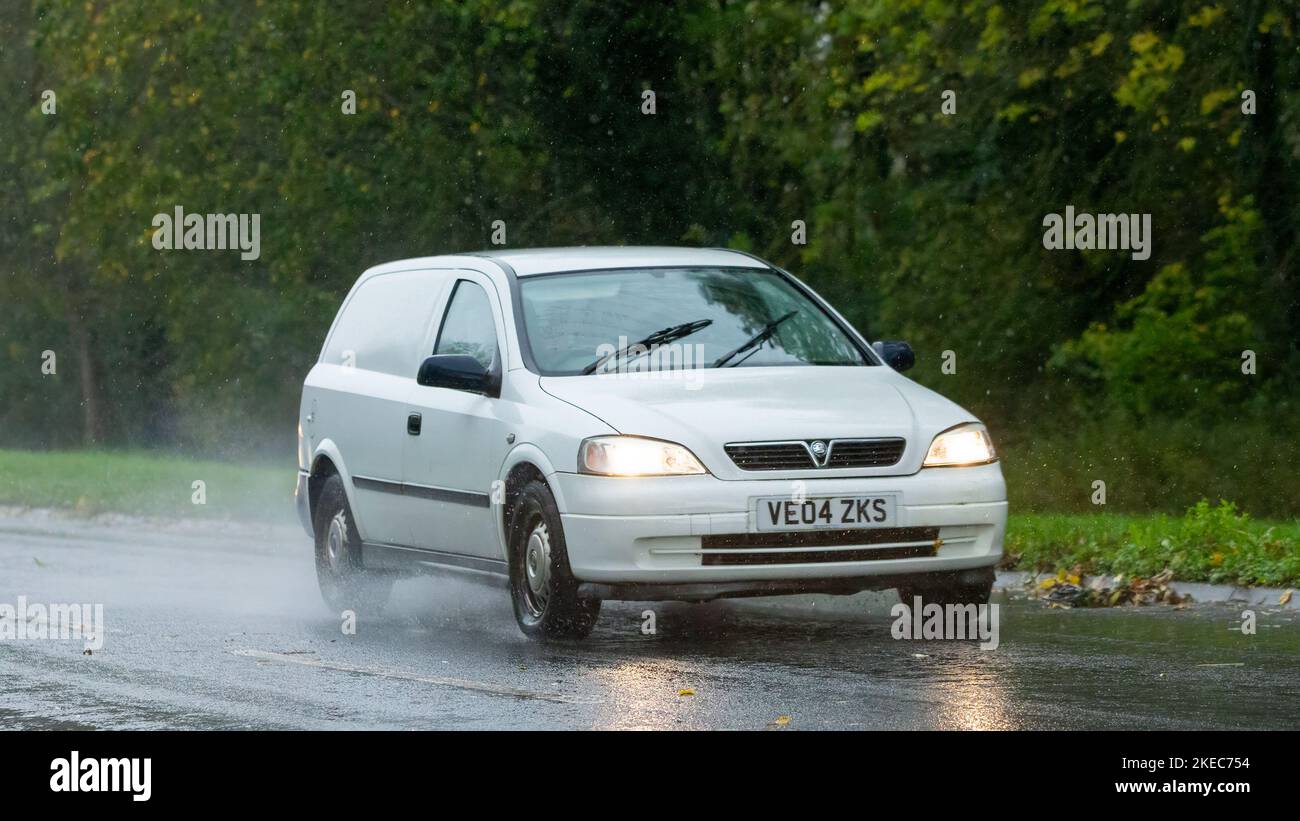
point(631, 423)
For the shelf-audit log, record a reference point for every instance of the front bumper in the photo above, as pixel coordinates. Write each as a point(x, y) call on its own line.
point(658, 535)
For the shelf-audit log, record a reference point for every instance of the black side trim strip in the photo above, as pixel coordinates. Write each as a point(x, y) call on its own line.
point(437, 494)
point(392, 556)
point(380, 485)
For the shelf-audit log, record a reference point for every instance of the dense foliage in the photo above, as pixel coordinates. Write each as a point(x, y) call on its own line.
point(922, 223)
point(1210, 543)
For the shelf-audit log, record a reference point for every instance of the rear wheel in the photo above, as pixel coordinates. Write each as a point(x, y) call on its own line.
point(542, 587)
point(967, 587)
point(345, 584)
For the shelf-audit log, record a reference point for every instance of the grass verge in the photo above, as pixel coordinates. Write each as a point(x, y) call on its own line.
point(1210, 543)
point(146, 484)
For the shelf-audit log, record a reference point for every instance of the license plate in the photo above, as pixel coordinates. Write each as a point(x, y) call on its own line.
point(814, 512)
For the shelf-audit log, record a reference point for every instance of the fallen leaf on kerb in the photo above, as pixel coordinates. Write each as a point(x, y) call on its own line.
point(781, 721)
point(1285, 597)
point(685, 692)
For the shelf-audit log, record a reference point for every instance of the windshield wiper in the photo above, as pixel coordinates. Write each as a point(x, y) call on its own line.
point(659, 337)
point(754, 341)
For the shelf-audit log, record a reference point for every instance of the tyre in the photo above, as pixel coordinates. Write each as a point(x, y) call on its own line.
point(542, 587)
point(344, 582)
point(949, 588)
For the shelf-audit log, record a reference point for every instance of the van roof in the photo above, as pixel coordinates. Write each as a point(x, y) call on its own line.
point(529, 261)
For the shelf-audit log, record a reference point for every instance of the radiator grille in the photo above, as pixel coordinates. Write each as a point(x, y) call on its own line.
point(839, 453)
point(784, 456)
point(865, 453)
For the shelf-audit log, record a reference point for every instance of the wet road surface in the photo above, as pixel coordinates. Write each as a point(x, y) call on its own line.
point(222, 627)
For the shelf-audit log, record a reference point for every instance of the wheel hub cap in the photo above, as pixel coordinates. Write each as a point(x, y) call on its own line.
point(537, 566)
point(336, 541)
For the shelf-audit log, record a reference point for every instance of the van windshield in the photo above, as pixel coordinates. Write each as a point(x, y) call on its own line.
point(592, 322)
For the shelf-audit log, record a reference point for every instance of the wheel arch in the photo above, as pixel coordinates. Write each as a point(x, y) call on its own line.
point(326, 461)
point(524, 464)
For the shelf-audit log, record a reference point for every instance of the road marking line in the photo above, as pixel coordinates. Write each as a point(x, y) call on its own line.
point(440, 681)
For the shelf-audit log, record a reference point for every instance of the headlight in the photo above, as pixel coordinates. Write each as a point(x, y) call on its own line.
point(635, 456)
point(962, 445)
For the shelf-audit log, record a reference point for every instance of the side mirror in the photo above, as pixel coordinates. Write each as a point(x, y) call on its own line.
point(897, 354)
point(459, 373)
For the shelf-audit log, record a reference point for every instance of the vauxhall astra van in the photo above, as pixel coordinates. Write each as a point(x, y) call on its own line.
point(591, 424)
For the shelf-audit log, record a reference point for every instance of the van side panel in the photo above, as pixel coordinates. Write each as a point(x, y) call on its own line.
point(356, 395)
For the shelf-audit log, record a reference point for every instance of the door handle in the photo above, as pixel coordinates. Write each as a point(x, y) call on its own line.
point(413, 424)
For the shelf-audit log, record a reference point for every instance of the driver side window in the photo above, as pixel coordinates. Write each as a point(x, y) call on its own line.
point(468, 327)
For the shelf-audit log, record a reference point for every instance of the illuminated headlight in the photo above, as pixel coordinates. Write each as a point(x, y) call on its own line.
point(963, 445)
point(635, 456)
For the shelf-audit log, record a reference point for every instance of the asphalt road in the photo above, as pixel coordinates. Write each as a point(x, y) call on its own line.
point(222, 627)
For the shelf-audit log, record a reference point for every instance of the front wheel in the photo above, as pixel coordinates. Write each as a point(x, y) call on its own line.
point(542, 587)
